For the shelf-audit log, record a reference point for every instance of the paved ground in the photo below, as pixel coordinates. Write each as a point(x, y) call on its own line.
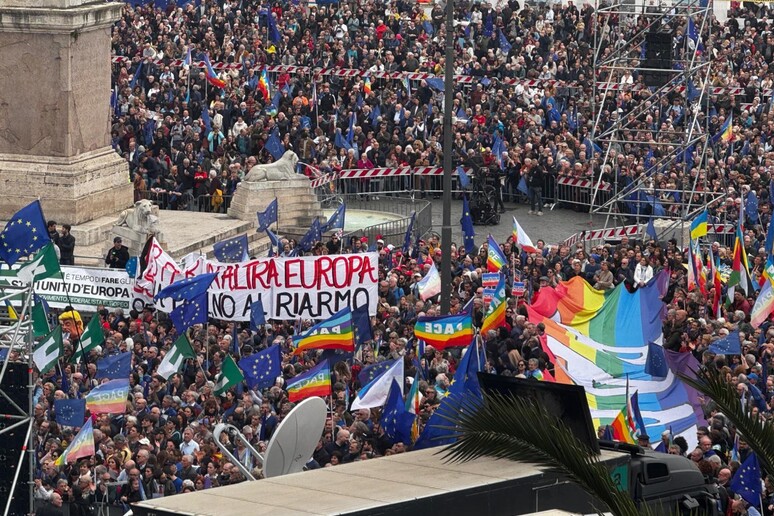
point(554, 226)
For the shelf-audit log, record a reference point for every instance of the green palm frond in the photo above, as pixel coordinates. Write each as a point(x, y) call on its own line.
point(516, 429)
point(760, 436)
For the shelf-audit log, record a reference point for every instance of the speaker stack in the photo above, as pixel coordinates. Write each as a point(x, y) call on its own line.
point(658, 56)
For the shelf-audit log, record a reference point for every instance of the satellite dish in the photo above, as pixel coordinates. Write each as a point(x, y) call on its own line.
point(295, 439)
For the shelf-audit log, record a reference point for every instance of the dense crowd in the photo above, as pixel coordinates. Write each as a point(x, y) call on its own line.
point(163, 444)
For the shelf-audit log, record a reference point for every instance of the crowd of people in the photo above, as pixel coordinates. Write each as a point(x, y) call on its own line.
point(186, 139)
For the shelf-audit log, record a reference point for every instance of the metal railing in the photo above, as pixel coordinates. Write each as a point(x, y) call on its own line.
point(185, 201)
point(393, 230)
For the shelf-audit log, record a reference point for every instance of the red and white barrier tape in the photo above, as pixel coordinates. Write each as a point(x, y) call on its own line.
point(582, 183)
point(416, 76)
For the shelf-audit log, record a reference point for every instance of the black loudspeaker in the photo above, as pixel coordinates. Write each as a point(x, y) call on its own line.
point(14, 384)
point(658, 55)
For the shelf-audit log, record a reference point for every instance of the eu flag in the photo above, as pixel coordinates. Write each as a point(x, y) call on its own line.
point(273, 145)
point(274, 33)
point(313, 235)
point(188, 288)
point(268, 216)
point(206, 119)
point(361, 323)
point(340, 141)
point(728, 345)
point(262, 369)
point(136, 76)
point(505, 46)
point(337, 219)
point(24, 234)
point(70, 412)
point(372, 371)
point(231, 250)
point(396, 420)
point(656, 364)
point(468, 233)
point(651, 230)
point(257, 315)
point(751, 206)
point(435, 83)
point(275, 241)
point(463, 178)
point(464, 387)
point(115, 367)
point(747, 481)
point(191, 312)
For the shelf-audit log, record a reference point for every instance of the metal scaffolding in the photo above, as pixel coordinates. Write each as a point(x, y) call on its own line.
point(619, 64)
point(16, 336)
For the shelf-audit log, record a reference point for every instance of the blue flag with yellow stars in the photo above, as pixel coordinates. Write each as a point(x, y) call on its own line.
point(24, 234)
point(747, 481)
point(361, 323)
point(372, 371)
point(656, 364)
point(268, 216)
point(115, 367)
point(190, 313)
point(273, 145)
point(313, 235)
point(337, 219)
point(262, 369)
point(409, 231)
point(231, 250)
point(70, 412)
point(187, 289)
point(396, 420)
point(728, 345)
point(468, 233)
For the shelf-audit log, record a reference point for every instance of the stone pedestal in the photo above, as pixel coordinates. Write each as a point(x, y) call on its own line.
point(55, 112)
point(297, 202)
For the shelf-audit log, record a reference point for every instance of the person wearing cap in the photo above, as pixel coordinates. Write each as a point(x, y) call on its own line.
point(643, 440)
point(118, 255)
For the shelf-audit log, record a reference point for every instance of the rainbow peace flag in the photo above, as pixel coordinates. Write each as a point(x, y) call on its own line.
point(764, 305)
point(264, 86)
point(82, 446)
point(210, 74)
point(108, 398)
point(315, 382)
point(367, 86)
point(599, 340)
point(445, 331)
point(495, 314)
point(615, 317)
point(334, 333)
point(621, 430)
point(495, 259)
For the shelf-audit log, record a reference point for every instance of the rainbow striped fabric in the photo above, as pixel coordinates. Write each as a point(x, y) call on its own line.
point(599, 340)
point(82, 446)
point(495, 259)
point(727, 130)
point(108, 398)
point(445, 331)
point(210, 74)
point(495, 314)
point(334, 333)
point(264, 86)
point(367, 86)
point(315, 382)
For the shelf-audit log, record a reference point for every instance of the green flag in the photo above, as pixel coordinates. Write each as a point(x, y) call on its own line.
point(175, 357)
point(230, 375)
point(48, 351)
point(43, 265)
point(39, 320)
point(91, 338)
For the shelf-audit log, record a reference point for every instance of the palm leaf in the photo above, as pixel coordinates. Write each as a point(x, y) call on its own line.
point(760, 436)
point(507, 427)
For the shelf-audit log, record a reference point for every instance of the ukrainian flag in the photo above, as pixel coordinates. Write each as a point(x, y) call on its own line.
point(699, 226)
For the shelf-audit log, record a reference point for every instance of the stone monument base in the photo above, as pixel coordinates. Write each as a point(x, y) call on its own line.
point(72, 190)
point(297, 202)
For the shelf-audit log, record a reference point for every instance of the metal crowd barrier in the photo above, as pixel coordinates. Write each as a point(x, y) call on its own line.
point(393, 230)
point(184, 201)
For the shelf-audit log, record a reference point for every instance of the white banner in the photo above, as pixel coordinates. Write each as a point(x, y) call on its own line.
point(309, 287)
point(87, 288)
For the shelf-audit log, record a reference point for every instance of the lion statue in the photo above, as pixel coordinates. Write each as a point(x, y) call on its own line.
point(281, 170)
point(140, 218)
